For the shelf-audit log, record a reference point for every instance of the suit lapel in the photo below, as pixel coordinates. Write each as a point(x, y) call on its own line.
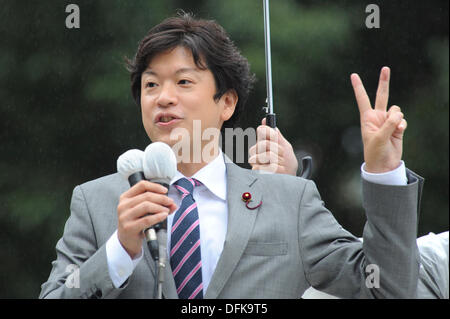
point(169, 289)
point(240, 225)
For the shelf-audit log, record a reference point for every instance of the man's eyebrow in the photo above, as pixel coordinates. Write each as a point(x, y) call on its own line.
point(186, 70)
point(177, 72)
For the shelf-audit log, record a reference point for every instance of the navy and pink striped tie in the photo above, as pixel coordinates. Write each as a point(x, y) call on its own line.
point(185, 255)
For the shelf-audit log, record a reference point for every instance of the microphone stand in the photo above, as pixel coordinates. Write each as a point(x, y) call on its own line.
point(161, 265)
point(157, 244)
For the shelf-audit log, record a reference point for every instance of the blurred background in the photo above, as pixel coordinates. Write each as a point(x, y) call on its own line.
point(66, 111)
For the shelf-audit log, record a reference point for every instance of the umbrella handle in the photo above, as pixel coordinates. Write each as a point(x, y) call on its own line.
point(306, 171)
point(271, 120)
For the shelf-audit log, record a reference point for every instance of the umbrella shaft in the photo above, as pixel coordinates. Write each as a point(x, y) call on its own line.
point(268, 56)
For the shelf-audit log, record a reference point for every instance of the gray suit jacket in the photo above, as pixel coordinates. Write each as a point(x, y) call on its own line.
point(289, 243)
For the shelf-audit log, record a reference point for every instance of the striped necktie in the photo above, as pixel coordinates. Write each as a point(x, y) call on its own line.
point(185, 254)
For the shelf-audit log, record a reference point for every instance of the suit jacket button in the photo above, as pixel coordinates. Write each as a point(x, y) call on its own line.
point(98, 293)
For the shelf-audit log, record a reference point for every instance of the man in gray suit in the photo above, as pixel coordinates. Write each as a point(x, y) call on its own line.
point(251, 235)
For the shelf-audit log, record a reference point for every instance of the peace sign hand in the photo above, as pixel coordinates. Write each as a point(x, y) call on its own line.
point(381, 130)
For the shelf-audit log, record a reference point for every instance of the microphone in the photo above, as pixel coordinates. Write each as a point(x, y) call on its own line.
point(159, 163)
point(160, 166)
point(130, 166)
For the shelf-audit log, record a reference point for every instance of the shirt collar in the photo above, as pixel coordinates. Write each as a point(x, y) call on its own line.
point(213, 176)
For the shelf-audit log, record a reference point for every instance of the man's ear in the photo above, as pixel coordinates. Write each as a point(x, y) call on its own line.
point(229, 101)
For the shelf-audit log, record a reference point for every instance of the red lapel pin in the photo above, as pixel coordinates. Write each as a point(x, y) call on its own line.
point(247, 198)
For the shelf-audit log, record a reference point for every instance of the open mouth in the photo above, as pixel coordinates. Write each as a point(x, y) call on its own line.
point(166, 119)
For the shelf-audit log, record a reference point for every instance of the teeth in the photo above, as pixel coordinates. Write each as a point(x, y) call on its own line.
point(166, 119)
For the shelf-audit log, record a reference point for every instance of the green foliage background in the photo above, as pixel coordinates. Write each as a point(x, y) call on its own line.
point(66, 111)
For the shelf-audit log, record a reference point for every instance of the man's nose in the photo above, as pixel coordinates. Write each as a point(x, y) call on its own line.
point(167, 95)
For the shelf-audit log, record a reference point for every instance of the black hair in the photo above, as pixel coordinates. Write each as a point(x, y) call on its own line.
point(211, 49)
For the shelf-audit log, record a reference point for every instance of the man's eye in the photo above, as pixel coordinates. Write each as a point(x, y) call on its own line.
point(150, 84)
point(184, 82)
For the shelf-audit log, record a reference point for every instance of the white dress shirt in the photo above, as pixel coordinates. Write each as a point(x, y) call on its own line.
point(211, 199)
point(213, 214)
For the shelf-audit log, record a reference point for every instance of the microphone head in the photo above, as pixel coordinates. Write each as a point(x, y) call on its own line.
point(160, 163)
point(130, 162)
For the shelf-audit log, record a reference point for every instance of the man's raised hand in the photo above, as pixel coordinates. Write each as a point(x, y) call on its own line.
point(381, 129)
